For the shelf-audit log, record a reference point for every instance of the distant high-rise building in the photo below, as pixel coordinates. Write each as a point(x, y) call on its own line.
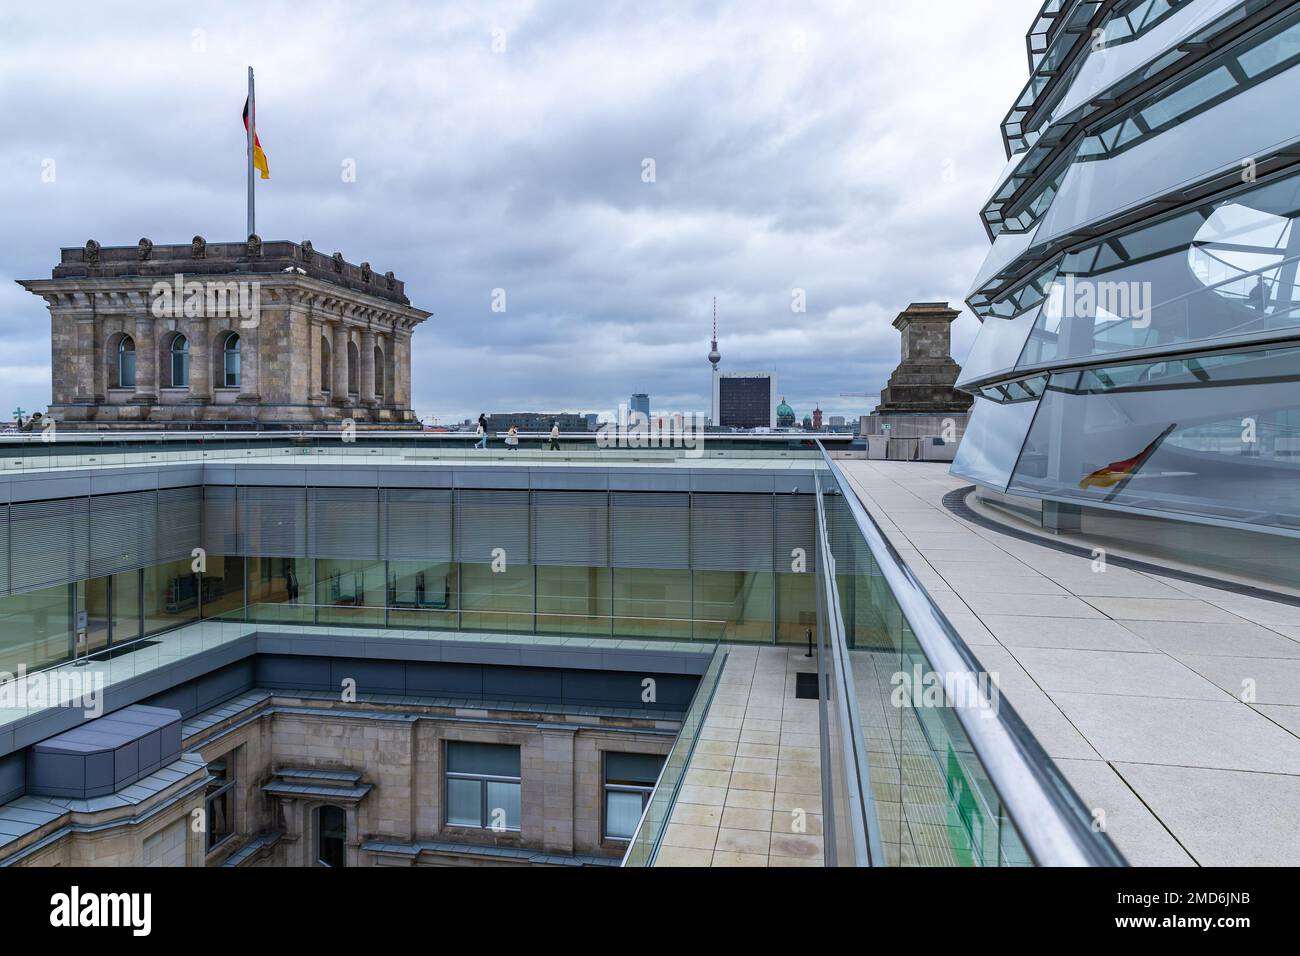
point(837, 421)
point(744, 399)
point(593, 421)
point(640, 403)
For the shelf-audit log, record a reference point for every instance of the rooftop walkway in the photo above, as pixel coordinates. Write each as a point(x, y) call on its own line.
point(752, 791)
point(1132, 682)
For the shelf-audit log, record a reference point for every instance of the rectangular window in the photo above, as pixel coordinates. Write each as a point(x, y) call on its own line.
point(219, 803)
point(483, 785)
point(629, 781)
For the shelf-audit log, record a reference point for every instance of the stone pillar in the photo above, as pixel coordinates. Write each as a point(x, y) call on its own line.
point(86, 367)
point(366, 380)
point(197, 332)
point(402, 369)
point(557, 776)
point(250, 365)
point(315, 331)
point(340, 358)
point(146, 362)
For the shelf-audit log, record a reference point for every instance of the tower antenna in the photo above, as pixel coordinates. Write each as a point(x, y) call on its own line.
point(714, 356)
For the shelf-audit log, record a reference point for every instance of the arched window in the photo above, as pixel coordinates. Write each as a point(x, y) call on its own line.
point(379, 373)
point(180, 362)
point(331, 836)
point(354, 367)
point(230, 361)
point(325, 367)
point(125, 363)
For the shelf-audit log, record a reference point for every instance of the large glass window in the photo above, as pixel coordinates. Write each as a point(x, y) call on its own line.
point(483, 785)
point(35, 628)
point(629, 781)
point(573, 600)
point(991, 445)
point(331, 836)
point(740, 600)
point(1212, 435)
point(422, 594)
point(496, 600)
point(223, 585)
point(651, 602)
point(796, 607)
point(171, 595)
point(126, 363)
point(350, 592)
point(219, 802)
point(179, 356)
point(230, 361)
point(281, 589)
point(93, 611)
point(126, 606)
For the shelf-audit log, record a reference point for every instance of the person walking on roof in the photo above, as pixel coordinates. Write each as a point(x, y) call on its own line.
point(481, 431)
point(512, 438)
point(555, 436)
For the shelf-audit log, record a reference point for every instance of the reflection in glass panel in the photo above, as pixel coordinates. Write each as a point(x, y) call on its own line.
point(223, 585)
point(92, 599)
point(126, 606)
point(796, 607)
point(989, 448)
point(997, 346)
point(35, 628)
point(422, 594)
point(653, 603)
point(496, 600)
point(741, 599)
point(349, 592)
point(171, 595)
point(573, 600)
point(1216, 436)
point(281, 589)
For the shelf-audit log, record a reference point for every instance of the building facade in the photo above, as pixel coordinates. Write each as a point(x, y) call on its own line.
point(226, 335)
point(1137, 373)
point(640, 402)
point(744, 399)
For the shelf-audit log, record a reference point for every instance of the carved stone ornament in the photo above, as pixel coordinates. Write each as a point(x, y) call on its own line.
point(308, 255)
point(254, 246)
point(198, 248)
point(146, 249)
point(366, 274)
point(91, 252)
point(338, 262)
point(390, 280)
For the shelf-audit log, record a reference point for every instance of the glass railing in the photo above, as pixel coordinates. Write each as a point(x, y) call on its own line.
point(66, 448)
point(654, 820)
point(928, 764)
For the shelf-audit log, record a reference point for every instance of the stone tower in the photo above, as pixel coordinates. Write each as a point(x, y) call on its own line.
point(924, 380)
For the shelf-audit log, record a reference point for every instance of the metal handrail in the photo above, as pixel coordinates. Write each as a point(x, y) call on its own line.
point(1051, 820)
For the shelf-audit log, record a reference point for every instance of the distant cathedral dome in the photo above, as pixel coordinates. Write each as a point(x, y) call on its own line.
point(784, 415)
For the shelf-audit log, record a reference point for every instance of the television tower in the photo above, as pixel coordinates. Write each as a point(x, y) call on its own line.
point(714, 355)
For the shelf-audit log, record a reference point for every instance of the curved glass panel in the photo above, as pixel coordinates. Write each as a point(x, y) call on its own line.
point(1214, 436)
point(1228, 109)
point(1221, 270)
point(988, 451)
point(998, 346)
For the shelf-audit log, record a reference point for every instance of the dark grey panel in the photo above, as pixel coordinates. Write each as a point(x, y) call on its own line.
point(417, 524)
point(104, 755)
point(123, 532)
point(49, 542)
point(796, 528)
point(731, 532)
point(344, 523)
point(571, 528)
point(180, 518)
point(487, 520)
point(220, 530)
point(273, 521)
point(650, 530)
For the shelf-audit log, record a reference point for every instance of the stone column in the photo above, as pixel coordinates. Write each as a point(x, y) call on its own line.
point(197, 332)
point(316, 330)
point(402, 369)
point(340, 358)
point(86, 366)
point(385, 344)
point(250, 365)
point(557, 789)
point(146, 362)
point(366, 380)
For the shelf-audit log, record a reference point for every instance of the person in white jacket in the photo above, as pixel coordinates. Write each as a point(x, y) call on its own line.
point(555, 436)
point(481, 431)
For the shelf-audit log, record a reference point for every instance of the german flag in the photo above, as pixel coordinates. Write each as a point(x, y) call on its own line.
point(1120, 471)
point(259, 157)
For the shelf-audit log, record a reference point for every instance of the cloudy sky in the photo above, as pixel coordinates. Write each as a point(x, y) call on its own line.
point(842, 148)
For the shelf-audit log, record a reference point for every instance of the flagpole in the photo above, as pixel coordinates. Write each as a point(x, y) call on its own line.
point(252, 134)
